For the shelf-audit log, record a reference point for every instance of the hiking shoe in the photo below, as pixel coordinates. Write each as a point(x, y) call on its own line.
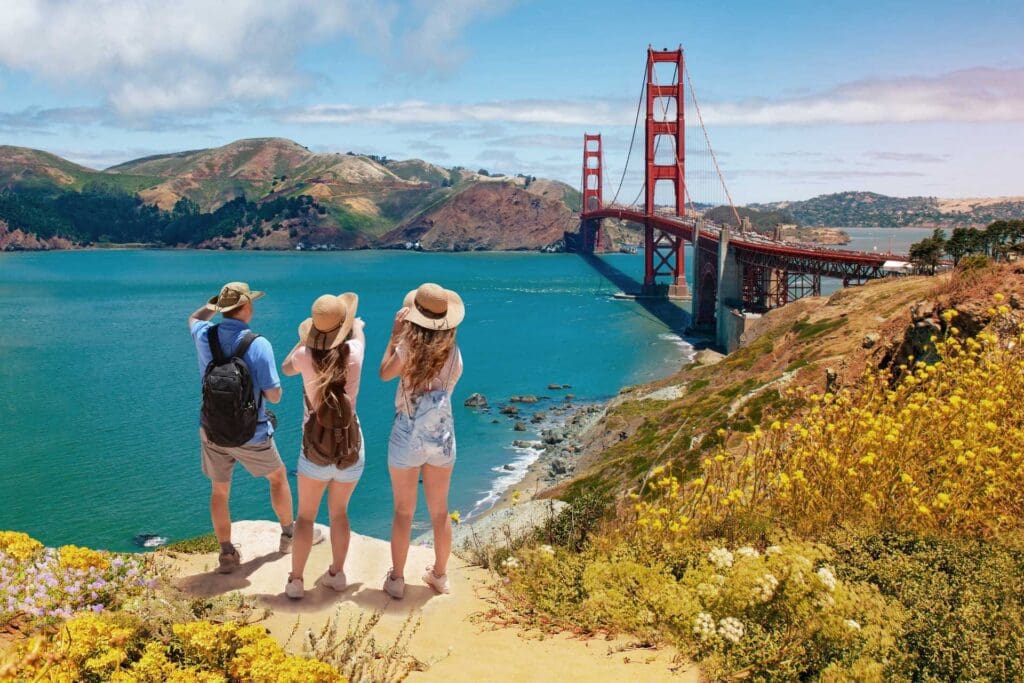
point(395, 587)
point(438, 583)
point(229, 562)
point(294, 590)
point(287, 541)
point(335, 582)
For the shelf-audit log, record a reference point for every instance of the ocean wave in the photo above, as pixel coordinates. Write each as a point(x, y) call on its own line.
point(507, 478)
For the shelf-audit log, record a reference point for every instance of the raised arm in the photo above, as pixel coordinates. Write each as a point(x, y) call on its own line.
point(201, 314)
point(391, 363)
point(287, 367)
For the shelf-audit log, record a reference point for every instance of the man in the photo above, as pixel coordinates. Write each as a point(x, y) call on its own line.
point(259, 454)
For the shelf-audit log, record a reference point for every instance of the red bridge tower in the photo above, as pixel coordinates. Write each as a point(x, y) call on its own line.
point(665, 125)
point(593, 197)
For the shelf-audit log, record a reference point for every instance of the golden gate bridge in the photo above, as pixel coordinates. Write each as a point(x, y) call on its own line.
point(736, 269)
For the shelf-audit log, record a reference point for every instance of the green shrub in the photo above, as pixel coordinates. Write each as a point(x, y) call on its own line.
point(965, 600)
point(574, 524)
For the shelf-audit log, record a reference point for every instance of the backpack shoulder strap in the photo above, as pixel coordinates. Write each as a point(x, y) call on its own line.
point(213, 339)
point(244, 345)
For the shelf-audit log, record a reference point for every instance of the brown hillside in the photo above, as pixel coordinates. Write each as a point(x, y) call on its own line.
point(494, 215)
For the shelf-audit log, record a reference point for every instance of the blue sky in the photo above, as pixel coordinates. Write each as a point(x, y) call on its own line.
point(800, 98)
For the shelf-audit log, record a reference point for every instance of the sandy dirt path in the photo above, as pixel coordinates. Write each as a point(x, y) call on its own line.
point(454, 643)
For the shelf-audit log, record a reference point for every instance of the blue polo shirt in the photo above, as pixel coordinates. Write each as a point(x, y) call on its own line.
point(259, 359)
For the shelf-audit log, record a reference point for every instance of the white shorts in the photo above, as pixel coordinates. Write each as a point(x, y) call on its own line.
point(330, 472)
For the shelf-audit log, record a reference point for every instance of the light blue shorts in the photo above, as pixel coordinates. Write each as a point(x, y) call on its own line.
point(429, 449)
point(330, 472)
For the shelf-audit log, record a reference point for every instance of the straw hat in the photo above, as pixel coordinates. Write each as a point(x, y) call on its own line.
point(331, 321)
point(433, 307)
point(232, 295)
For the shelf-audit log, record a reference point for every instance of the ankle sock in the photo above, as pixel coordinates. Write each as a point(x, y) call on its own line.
point(227, 547)
point(288, 530)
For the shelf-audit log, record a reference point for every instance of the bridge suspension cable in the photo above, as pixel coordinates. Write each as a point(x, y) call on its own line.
point(632, 139)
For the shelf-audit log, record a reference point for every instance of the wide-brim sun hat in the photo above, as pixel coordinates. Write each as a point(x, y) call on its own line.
point(330, 321)
point(233, 295)
point(433, 307)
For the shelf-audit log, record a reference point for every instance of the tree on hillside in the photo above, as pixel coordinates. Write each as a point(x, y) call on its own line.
point(963, 241)
point(927, 254)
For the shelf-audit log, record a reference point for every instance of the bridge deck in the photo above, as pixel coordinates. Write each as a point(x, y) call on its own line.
point(755, 245)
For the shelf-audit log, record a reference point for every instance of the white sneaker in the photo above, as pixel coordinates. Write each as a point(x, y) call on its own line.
point(394, 587)
point(294, 590)
point(438, 583)
point(335, 582)
point(287, 541)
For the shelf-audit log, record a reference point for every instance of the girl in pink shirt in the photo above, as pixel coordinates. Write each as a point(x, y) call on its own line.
point(329, 356)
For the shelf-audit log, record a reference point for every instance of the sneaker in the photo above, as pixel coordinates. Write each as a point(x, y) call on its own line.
point(394, 587)
point(229, 562)
point(287, 541)
point(438, 583)
point(294, 590)
point(335, 582)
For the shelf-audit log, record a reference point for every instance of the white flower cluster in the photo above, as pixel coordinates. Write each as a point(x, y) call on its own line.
point(828, 579)
point(547, 550)
point(731, 629)
point(721, 558)
point(852, 625)
point(773, 550)
point(747, 551)
point(704, 626)
point(764, 588)
point(510, 563)
point(707, 591)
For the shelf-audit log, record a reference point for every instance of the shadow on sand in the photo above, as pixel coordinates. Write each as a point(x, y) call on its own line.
point(211, 583)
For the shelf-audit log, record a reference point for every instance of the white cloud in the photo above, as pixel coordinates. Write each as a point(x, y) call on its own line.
point(978, 95)
point(150, 56)
point(549, 112)
point(433, 44)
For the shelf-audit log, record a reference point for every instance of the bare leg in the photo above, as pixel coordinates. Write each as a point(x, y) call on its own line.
point(311, 492)
point(337, 502)
point(281, 495)
point(220, 512)
point(435, 490)
point(404, 481)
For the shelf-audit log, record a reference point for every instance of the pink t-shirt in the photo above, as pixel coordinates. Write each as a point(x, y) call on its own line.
point(302, 360)
point(450, 373)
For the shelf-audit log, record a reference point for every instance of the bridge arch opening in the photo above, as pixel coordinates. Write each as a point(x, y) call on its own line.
point(664, 150)
point(664, 109)
point(593, 145)
point(593, 180)
point(593, 204)
point(665, 73)
point(593, 162)
point(664, 193)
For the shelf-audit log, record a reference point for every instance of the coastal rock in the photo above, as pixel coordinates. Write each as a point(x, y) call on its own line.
point(557, 467)
point(569, 397)
point(476, 401)
point(552, 437)
point(707, 357)
point(508, 467)
point(519, 426)
point(509, 410)
point(525, 398)
point(554, 387)
point(538, 417)
point(519, 443)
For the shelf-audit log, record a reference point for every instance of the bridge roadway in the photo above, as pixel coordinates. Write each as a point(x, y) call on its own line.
point(753, 249)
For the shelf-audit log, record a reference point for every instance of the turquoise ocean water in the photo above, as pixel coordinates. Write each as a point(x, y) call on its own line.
point(99, 385)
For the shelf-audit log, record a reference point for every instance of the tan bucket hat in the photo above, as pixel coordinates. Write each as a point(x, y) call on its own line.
point(434, 307)
point(331, 321)
point(232, 295)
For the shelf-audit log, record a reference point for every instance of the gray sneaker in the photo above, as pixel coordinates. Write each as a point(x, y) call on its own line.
point(335, 582)
point(229, 562)
point(287, 541)
point(395, 587)
point(438, 583)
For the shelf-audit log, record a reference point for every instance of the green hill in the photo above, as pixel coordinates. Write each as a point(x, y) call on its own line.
point(269, 193)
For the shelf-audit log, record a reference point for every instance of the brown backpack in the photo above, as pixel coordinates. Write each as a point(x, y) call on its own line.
point(331, 437)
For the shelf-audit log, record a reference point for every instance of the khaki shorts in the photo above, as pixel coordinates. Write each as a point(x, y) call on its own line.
point(260, 459)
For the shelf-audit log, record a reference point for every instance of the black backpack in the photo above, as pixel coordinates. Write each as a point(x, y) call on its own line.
point(229, 414)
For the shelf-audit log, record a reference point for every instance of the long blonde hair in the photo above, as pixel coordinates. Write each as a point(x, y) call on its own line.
point(426, 352)
point(331, 373)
